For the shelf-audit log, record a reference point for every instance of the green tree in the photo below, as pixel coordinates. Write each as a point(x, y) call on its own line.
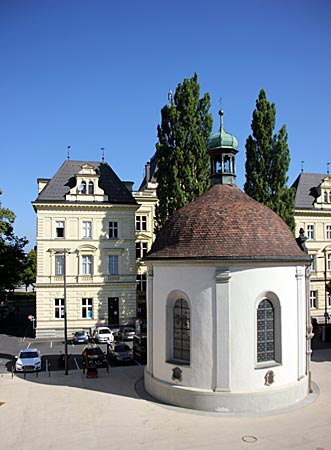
point(267, 162)
point(28, 276)
point(11, 251)
point(183, 161)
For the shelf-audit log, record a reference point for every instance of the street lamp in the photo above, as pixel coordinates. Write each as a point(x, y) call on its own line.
point(64, 252)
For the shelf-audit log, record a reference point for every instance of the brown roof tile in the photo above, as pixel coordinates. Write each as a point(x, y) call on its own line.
point(225, 223)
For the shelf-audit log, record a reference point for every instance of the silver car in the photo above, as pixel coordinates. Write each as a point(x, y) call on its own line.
point(28, 360)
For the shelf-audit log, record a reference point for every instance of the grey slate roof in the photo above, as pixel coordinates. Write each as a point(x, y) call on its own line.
point(64, 179)
point(306, 186)
point(152, 173)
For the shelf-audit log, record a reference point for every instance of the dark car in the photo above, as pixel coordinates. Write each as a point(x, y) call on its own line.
point(93, 356)
point(139, 346)
point(80, 337)
point(121, 353)
point(126, 333)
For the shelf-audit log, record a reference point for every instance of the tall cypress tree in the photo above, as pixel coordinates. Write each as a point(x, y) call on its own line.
point(183, 161)
point(267, 162)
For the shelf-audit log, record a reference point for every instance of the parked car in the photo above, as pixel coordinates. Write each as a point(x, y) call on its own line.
point(103, 334)
point(121, 353)
point(93, 356)
point(126, 333)
point(115, 330)
point(28, 360)
point(139, 346)
point(80, 337)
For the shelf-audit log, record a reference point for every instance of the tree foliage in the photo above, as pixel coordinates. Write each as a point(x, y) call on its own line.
point(28, 275)
point(11, 251)
point(267, 162)
point(183, 161)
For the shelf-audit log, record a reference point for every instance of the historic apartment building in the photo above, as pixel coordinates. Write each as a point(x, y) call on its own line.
point(313, 214)
point(145, 215)
point(86, 250)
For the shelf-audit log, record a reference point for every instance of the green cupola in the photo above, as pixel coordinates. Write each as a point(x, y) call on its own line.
point(222, 148)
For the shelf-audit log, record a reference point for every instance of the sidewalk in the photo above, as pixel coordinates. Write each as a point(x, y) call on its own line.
point(74, 412)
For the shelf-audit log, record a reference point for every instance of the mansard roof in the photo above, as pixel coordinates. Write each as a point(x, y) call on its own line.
point(307, 189)
point(65, 179)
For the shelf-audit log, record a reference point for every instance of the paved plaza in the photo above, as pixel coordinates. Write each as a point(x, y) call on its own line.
point(113, 411)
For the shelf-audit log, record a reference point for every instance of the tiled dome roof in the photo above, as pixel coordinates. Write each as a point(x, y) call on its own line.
point(225, 223)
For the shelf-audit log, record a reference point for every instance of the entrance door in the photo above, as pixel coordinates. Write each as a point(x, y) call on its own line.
point(113, 316)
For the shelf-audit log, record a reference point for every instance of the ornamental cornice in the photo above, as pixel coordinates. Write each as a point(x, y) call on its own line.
point(312, 212)
point(81, 206)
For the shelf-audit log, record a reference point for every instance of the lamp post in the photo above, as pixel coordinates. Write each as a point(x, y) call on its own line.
point(65, 311)
point(64, 252)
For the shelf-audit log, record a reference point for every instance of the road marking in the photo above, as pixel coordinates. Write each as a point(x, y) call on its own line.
point(29, 344)
point(51, 344)
point(76, 364)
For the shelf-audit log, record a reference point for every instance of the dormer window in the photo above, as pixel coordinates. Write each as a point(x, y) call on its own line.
point(82, 187)
point(90, 187)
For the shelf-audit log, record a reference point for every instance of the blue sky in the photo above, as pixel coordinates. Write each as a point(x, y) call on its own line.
point(96, 73)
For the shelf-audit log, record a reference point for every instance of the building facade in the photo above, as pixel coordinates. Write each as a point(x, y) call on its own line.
point(313, 215)
point(86, 251)
point(145, 224)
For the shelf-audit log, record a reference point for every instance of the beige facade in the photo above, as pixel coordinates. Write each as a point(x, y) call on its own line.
point(145, 223)
point(85, 251)
point(313, 214)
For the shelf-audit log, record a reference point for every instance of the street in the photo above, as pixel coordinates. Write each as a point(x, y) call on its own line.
point(16, 333)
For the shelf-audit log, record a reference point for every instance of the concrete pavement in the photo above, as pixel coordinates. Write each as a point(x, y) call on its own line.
point(113, 411)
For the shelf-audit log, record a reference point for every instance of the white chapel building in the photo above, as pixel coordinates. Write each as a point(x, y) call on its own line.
point(228, 320)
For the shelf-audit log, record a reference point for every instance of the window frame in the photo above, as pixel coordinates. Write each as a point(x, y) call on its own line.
point(328, 232)
point(87, 229)
point(328, 262)
point(311, 232)
point(313, 299)
point(141, 249)
point(59, 265)
point(87, 265)
point(113, 263)
point(277, 331)
point(59, 308)
point(90, 188)
point(113, 229)
point(87, 308)
point(60, 229)
point(141, 280)
point(170, 335)
point(141, 222)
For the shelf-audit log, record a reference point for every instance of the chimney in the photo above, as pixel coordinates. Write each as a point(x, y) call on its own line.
point(148, 171)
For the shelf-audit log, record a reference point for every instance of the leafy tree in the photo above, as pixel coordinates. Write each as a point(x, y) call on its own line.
point(183, 161)
point(28, 276)
point(11, 251)
point(267, 162)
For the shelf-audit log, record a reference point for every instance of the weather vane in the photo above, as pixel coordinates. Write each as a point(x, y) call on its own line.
point(328, 168)
point(68, 149)
point(302, 163)
point(102, 154)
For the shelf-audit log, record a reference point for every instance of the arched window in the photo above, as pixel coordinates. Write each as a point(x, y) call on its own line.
point(90, 187)
point(83, 187)
point(181, 330)
point(265, 331)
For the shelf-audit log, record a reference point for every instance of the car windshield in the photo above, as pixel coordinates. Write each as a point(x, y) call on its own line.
point(25, 355)
point(104, 331)
point(122, 348)
point(94, 351)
